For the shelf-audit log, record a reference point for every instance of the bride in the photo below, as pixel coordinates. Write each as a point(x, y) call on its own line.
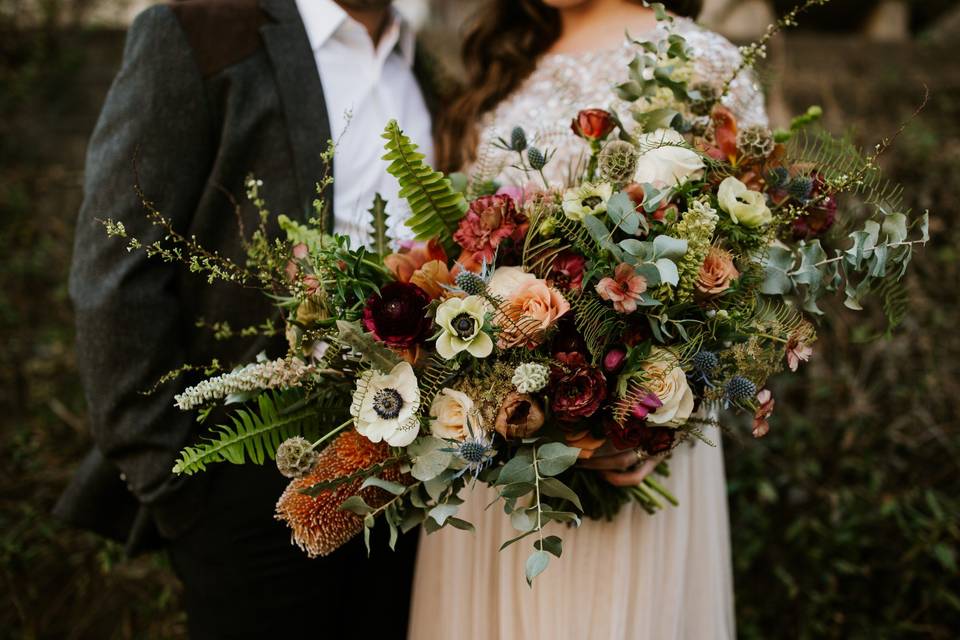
point(535, 63)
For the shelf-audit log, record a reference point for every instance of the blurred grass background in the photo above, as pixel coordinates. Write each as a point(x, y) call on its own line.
point(844, 519)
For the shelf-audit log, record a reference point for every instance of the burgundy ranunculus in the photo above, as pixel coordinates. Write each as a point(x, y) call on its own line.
point(820, 214)
point(566, 272)
point(489, 221)
point(398, 315)
point(635, 433)
point(578, 388)
point(592, 124)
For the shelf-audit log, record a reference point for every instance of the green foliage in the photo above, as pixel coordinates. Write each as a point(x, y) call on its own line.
point(835, 157)
point(597, 322)
point(379, 231)
point(255, 434)
point(436, 207)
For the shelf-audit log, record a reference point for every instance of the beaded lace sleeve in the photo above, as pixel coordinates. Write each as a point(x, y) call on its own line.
point(562, 84)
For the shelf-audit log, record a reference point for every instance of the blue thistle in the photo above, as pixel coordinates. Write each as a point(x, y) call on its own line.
point(518, 139)
point(704, 363)
point(801, 188)
point(738, 389)
point(778, 178)
point(537, 160)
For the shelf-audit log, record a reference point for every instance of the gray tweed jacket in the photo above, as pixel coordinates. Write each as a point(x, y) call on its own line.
point(209, 91)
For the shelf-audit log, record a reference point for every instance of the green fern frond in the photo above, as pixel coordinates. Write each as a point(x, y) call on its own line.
point(835, 157)
point(575, 233)
point(256, 434)
point(433, 378)
point(597, 323)
point(895, 303)
point(436, 207)
point(379, 230)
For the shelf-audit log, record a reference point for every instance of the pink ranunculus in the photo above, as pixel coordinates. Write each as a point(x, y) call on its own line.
point(566, 272)
point(623, 289)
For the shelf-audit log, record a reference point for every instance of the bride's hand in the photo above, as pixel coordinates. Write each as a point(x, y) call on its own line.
point(622, 468)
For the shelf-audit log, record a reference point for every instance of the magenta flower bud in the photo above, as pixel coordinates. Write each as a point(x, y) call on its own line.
point(613, 361)
point(645, 405)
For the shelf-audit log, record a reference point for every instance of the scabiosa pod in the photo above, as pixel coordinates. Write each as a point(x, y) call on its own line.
point(530, 377)
point(295, 457)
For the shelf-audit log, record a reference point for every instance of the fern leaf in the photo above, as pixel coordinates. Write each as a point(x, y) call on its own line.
point(834, 157)
point(379, 230)
point(436, 207)
point(256, 434)
point(896, 303)
point(597, 323)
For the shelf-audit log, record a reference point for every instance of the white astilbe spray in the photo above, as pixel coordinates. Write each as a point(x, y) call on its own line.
point(273, 374)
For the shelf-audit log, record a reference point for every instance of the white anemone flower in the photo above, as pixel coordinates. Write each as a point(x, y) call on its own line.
point(385, 405)
point(462, 322)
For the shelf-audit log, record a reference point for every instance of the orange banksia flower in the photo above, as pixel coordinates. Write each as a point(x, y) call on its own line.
point(317, 525)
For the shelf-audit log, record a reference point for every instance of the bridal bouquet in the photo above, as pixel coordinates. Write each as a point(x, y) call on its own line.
point(526, 327)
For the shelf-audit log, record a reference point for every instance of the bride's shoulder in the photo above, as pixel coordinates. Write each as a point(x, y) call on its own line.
point(710, 48)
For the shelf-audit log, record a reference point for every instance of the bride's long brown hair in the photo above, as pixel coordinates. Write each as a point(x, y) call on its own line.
point(499, 51)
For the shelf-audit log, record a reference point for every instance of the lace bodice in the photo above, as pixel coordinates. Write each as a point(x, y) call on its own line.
point(562, 84)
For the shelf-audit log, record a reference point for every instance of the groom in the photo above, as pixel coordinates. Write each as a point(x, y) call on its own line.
point(209, 92)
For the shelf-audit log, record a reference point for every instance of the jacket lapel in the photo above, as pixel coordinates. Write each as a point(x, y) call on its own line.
point(301, 96)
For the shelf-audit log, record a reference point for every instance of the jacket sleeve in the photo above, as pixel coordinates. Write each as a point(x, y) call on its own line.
point(130, 329)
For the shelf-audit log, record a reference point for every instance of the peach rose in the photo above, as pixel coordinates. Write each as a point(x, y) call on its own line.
point(669, 383)
point(716, 272)
point(533, 308)
point(412, 257)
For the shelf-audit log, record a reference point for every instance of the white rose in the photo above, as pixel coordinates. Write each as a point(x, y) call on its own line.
point(669, 383)
point(662, 163)
point(450, 411)
point(745, 207)
point(506, 281)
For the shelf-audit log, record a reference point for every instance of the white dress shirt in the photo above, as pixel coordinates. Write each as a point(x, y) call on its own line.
point(365, 86)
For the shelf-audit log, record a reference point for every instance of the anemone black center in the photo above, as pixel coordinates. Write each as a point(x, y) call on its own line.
point(591, 201)
point(387, 403)
point(464, 325)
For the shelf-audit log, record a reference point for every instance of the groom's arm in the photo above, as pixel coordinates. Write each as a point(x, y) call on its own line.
point(128, 311)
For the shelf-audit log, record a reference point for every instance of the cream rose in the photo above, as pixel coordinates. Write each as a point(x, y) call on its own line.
point(507, 280)
point(745, 207)
point(662, 162)
point(669, 383)
point(450, 412)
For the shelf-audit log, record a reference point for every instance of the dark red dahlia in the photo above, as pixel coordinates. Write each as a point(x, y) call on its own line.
point(566, 272)
point(578, 388)
point(819, 215)
point(489, 221)
point(398, 315)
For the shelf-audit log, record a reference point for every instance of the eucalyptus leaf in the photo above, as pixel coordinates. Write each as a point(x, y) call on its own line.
point(551, 544)
point(518, 469)
point(536, 564)
point(392, 487)
point(556, 489)
point(555, 457)
point(357, 505)
point(441, 512)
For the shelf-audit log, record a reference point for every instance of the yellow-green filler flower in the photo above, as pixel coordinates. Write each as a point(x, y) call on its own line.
point(588, 199)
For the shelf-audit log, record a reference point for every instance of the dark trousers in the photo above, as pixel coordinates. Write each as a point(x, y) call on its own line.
point(243, 578)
